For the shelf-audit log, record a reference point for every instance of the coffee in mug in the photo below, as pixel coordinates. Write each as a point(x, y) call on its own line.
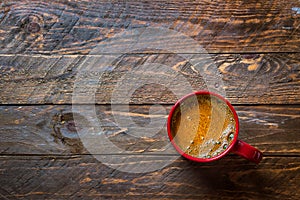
point(203, 126)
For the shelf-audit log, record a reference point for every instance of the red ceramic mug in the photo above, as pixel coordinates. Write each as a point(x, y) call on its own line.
point(234, 145)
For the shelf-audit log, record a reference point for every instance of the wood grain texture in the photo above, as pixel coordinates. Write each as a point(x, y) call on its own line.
point(52, 79)
point(77, 27)
point(82, 177)
point(56, 130)
point(48, 50)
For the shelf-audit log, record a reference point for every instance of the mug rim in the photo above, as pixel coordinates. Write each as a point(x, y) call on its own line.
point(197, 159)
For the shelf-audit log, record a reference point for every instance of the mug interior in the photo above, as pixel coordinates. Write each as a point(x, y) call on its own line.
point(171, 133)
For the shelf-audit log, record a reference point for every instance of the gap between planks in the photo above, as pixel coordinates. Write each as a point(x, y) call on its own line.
point(144, 53)
point(66, 156)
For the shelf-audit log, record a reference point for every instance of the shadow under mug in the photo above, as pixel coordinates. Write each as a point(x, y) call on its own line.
point(236, 146)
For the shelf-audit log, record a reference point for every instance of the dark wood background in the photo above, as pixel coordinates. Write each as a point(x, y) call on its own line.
point(255, 44)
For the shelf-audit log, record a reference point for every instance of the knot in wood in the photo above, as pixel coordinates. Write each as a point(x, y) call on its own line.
point(32, 24)
point(33, 27)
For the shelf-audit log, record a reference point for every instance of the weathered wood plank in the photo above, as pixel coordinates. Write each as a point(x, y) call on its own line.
point(51, 130)
point(76, 27)
point(85, 178)
point(52, 79)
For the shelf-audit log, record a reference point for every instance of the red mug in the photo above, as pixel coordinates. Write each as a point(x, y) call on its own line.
point(236, 146)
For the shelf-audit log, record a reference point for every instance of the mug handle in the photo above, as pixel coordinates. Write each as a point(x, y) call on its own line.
point(247, 151)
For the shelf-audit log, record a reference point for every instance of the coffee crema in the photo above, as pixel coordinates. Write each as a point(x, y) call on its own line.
point(203, 126)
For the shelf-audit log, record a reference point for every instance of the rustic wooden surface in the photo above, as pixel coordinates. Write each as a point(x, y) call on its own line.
point(254, 45)
point(70, 27)
point(83, 177)
point(30, 80)
point(273, 129)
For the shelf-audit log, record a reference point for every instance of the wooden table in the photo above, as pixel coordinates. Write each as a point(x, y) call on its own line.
point(254, 44)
